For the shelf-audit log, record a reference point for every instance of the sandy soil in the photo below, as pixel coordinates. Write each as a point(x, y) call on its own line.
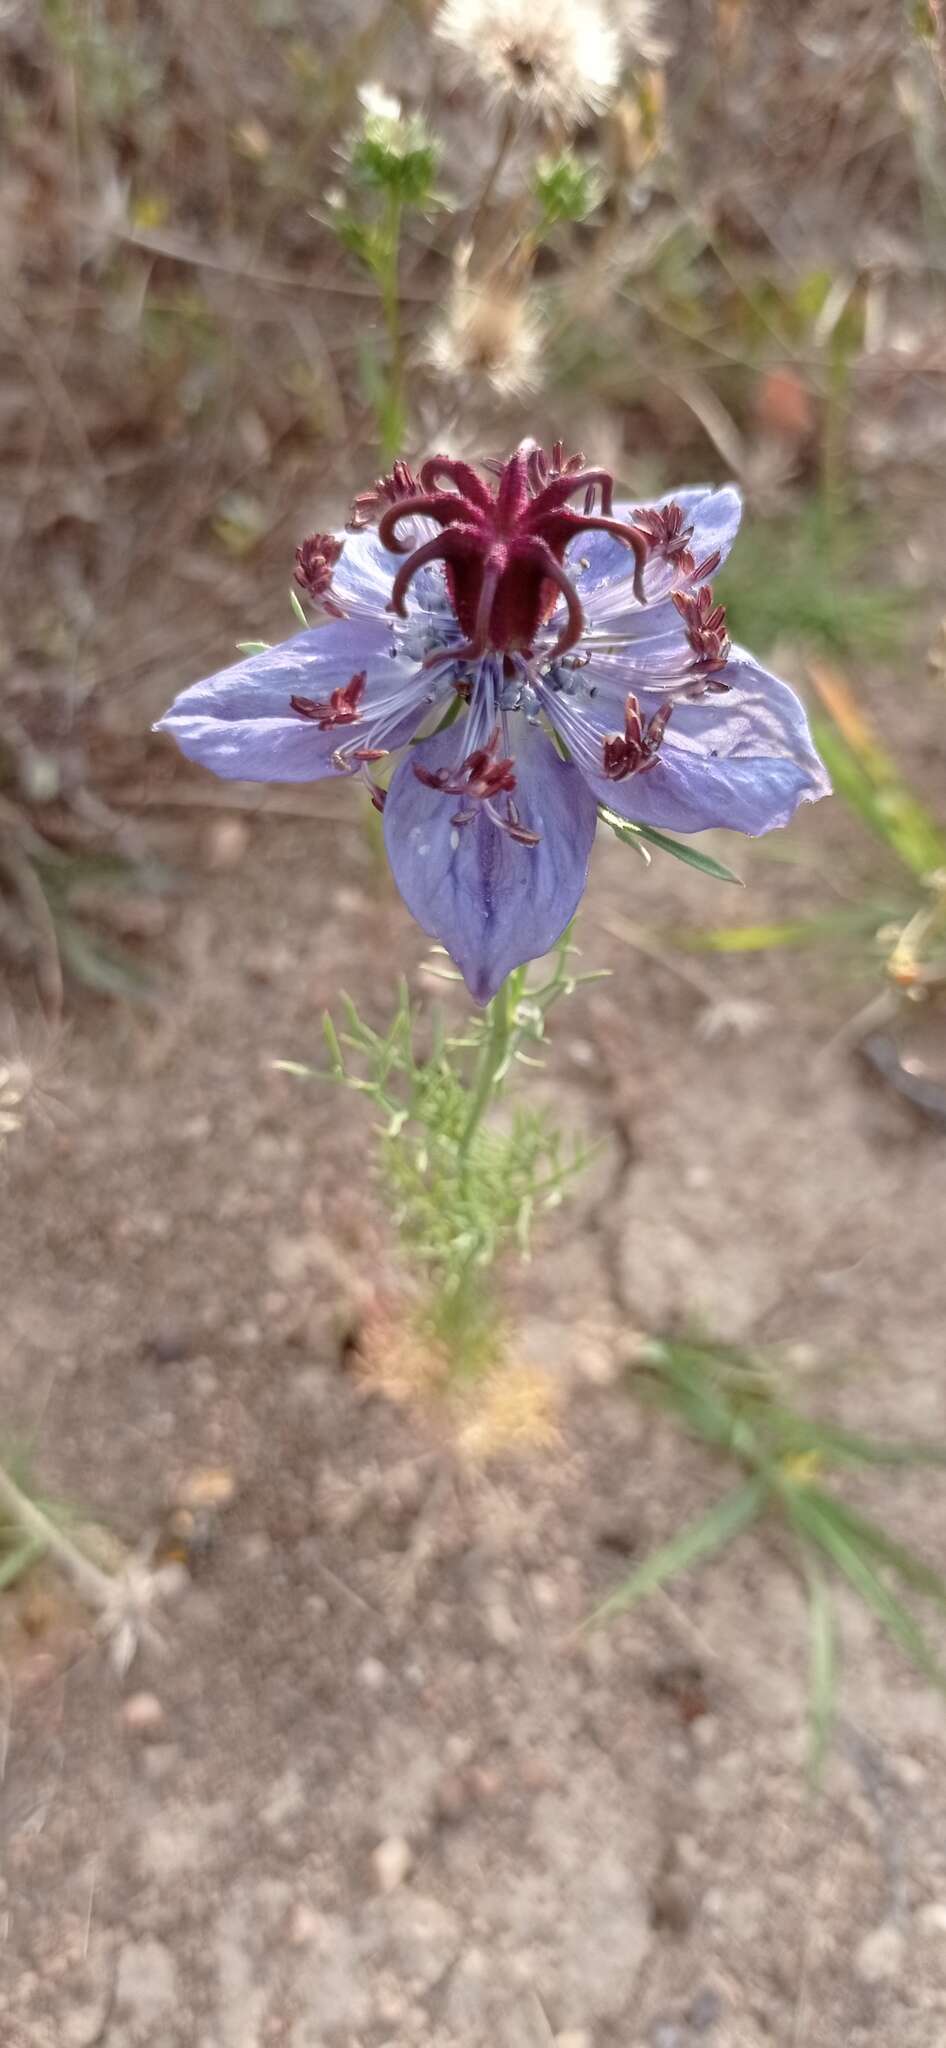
point(381, 1790)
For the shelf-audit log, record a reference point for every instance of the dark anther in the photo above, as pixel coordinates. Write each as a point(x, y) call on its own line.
point(386, 490)
point(485, 775)
point(343, 707)
point(635, 750)
point(705, 623)
point(669, 534)
point(316, 561)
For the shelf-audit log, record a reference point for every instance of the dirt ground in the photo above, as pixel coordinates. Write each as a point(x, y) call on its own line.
point(381, 1789)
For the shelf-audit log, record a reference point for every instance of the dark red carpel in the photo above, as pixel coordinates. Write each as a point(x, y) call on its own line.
point(503, 548)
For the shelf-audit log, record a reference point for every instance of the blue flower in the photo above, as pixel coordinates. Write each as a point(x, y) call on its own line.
point(534, 622)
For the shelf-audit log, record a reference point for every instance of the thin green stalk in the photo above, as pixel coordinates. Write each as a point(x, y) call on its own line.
point(391, 421)
point(504, 142)
point(491, 1063)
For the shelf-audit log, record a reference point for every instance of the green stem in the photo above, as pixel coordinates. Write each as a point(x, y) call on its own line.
point(506, 135)
point(391, 423)
point(492, 1061)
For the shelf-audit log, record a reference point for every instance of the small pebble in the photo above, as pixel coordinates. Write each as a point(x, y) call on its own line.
point(225, 843)
point(706, 2009)
point(305, 1925)
point(485, 1783)
point(502, 1625)
point(879, 1957)
point(168, 1344)
point(392, 1862)
point(932, 1918)
point(143, 1714)
point(576, 2037)
point(372, 1674)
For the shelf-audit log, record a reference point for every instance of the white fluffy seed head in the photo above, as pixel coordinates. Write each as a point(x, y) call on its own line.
point(487, 334)
point(558, 61)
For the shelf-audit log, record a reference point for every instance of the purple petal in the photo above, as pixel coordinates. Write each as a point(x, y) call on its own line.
point(491, 901)
point(240, 722)
point(744, 761)
point(605, 585)
point(365, 572)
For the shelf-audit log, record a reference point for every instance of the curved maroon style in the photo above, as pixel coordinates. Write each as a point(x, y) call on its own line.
point(504, 549)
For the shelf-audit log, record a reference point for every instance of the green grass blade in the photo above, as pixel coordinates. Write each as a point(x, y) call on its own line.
point(872, 786)
point(18, 1560)
point(819, 1526)
point(335, 1054)
point(691, 1394)
point(823, 1686)
point(860, 921)
point(631, 835)
point(699, 1539)
point(798, 1434)
point(107, 970)
point(870, 1536)
point(749, 938)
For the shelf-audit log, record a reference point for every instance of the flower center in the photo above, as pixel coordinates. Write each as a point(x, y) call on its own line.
point(502, 547)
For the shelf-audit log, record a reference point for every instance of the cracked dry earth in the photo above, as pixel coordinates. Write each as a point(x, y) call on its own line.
point(380, 1789)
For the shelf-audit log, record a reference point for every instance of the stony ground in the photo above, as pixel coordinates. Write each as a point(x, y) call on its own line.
point(380, 1789)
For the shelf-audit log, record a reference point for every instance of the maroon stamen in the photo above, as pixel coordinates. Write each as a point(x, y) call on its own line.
point(484, 774)
point(705, 623)
point(341, 708)
point(386, 490)
point(635, 750)
point(544, 469)
point(316, 561)
point(503, 547)
point(482, 777)
point(669, 534)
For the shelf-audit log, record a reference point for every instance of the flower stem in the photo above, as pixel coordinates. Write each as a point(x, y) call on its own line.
point(391, 421)
point(506, 135)
point(492, 1063)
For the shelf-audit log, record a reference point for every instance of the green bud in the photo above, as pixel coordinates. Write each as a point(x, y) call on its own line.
point(393, 152)
point(565, 188)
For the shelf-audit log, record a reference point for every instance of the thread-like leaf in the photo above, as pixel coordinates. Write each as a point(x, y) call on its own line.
point(726, 1519)
point(823, 1530)
point(823, 1686)
point(631, 835)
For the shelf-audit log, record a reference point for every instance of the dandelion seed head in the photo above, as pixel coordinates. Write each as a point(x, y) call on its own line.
point(560, 62)
point(640, 37)
point(487, 334)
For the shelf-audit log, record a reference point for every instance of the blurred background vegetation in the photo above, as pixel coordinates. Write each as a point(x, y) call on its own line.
point(251, 253)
